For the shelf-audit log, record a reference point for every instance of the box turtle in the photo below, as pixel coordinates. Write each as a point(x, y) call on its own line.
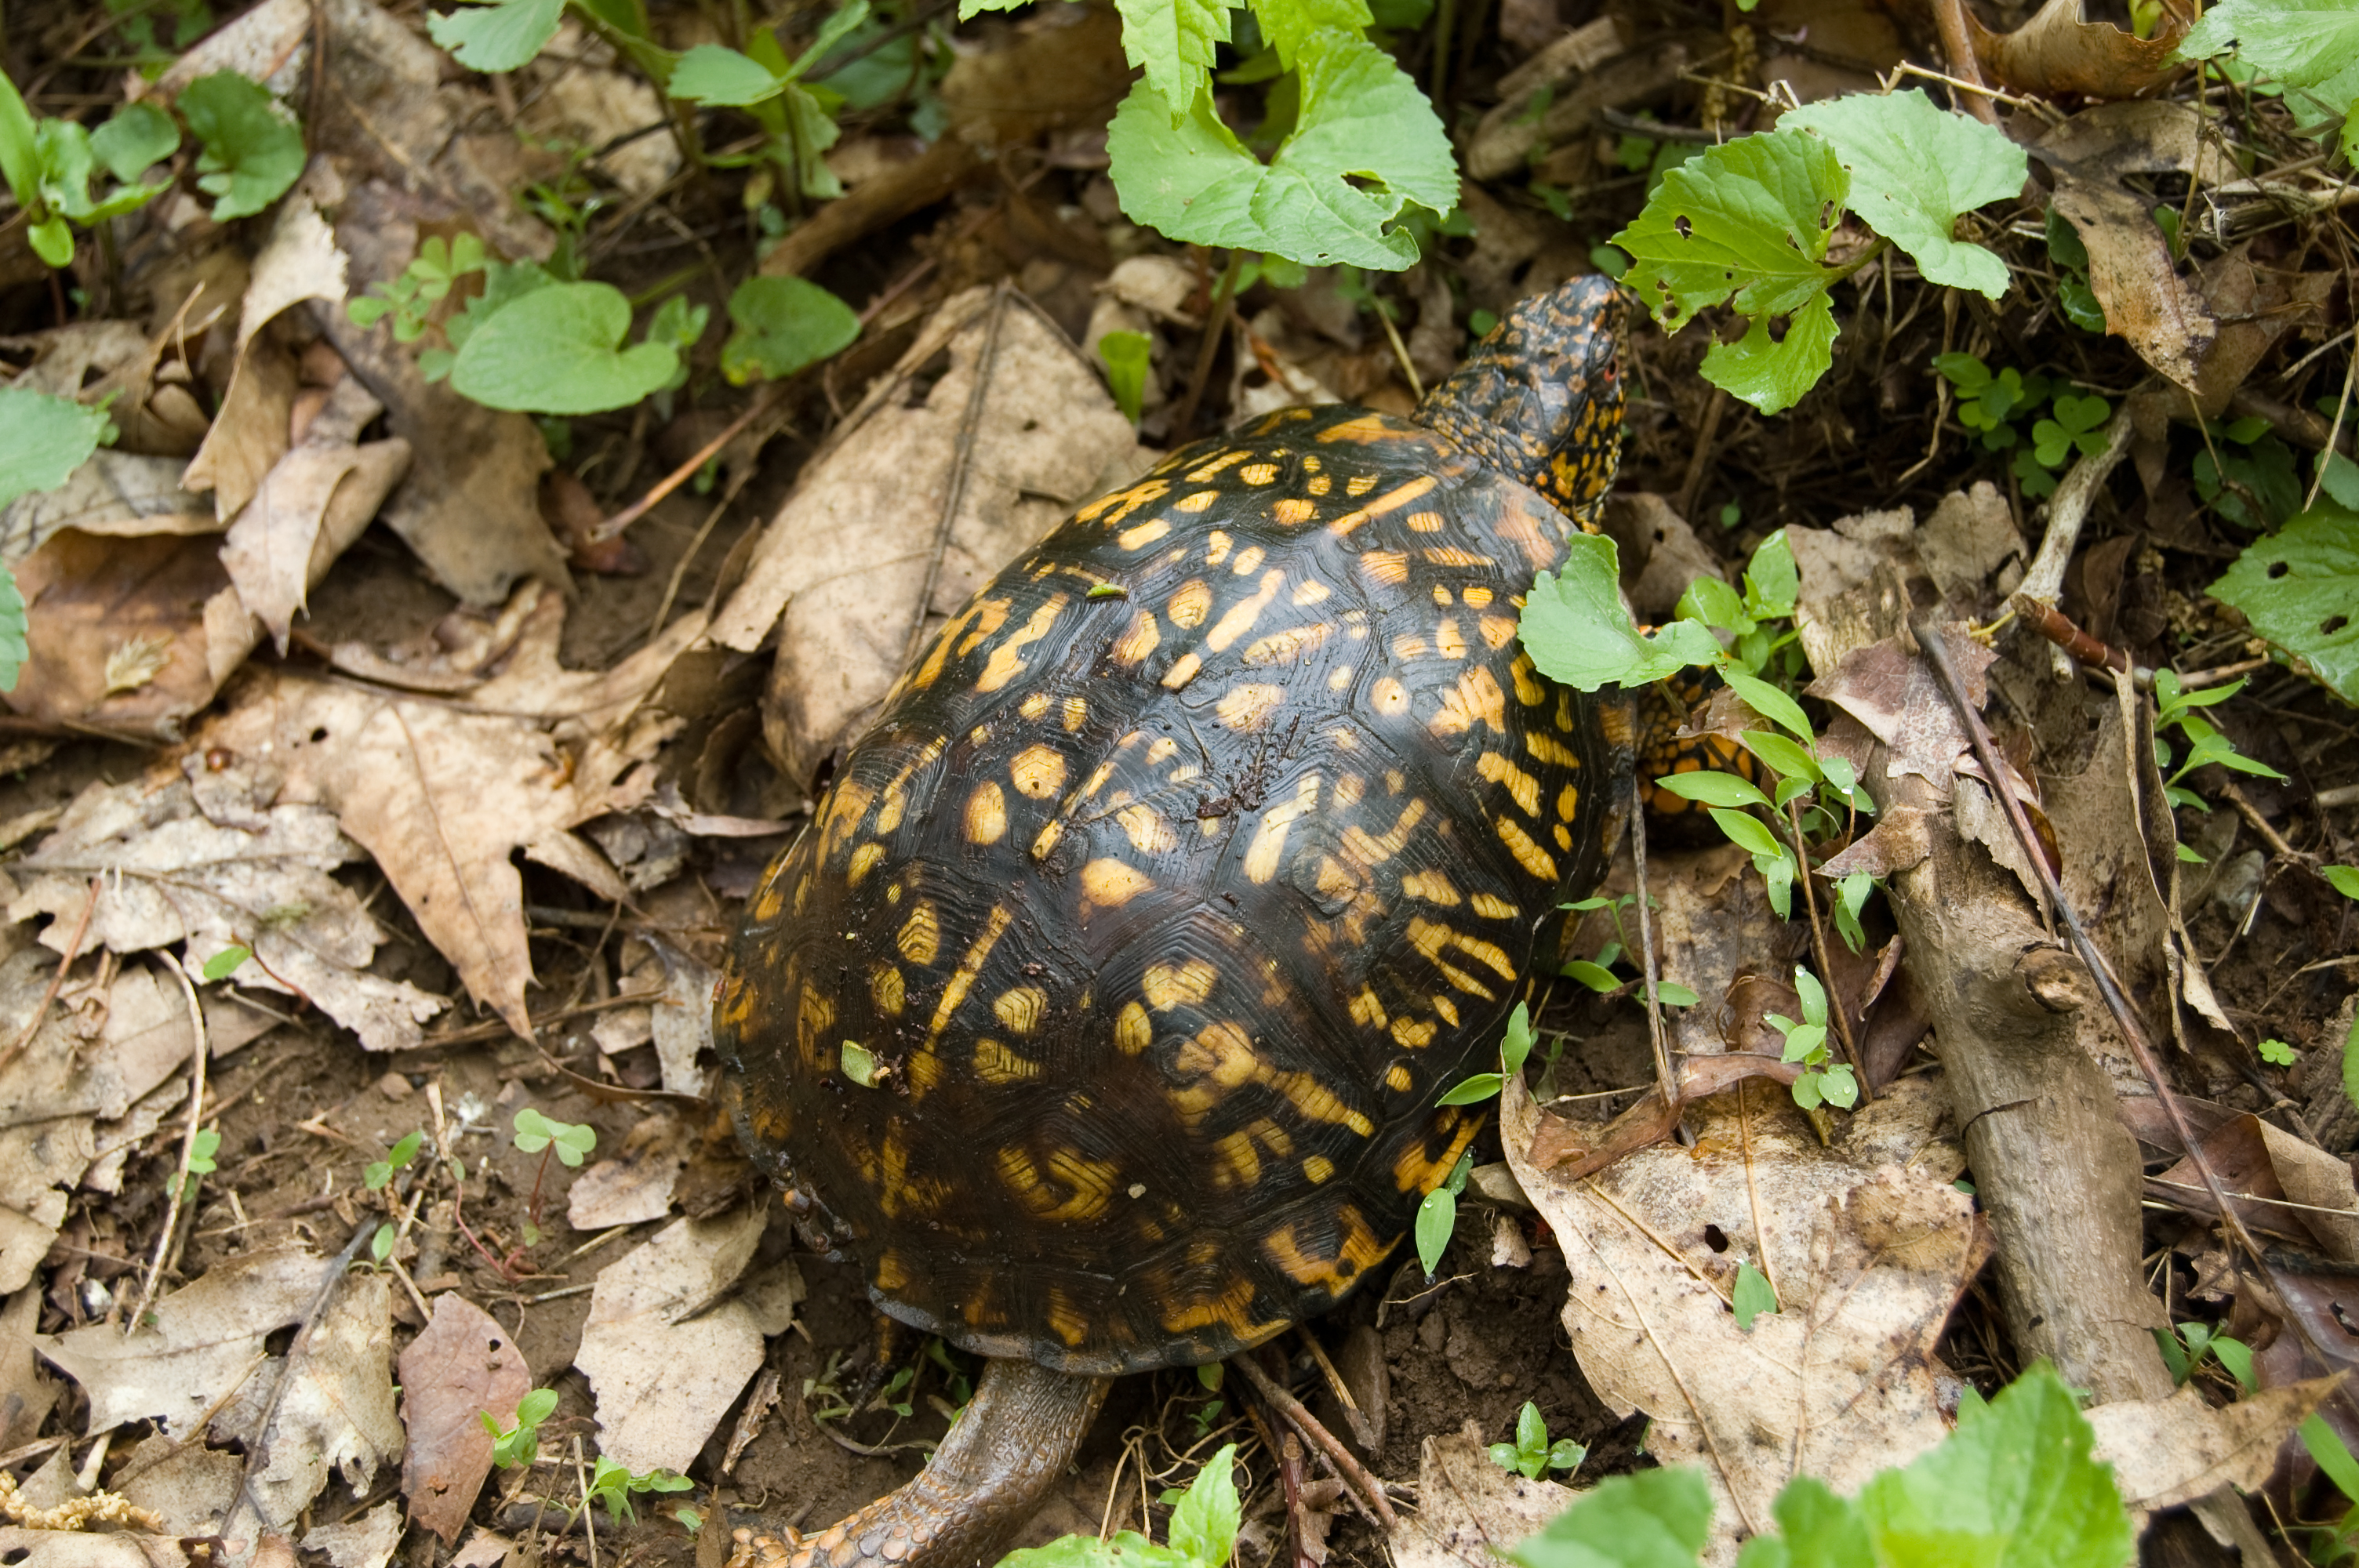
point(1101, 1009)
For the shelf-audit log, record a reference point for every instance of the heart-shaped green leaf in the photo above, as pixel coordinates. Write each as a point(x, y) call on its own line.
point(557, 351)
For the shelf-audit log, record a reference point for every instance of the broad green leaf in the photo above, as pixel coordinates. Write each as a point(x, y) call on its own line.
point(252, 148)
point(1289, 25)
point(1746, 832)
point(1770, 703)
point(13, 650)
point(2341, 478)
point(1753, 1294)
point(1672, 995)
point(43, 439)
point(1914, 168)
point(139, 136)
point(1747, 221)
point(1772, 581)
point(1516, 1046)
point(1712, 788)
point(226, 962)
point(2014, 1484)
point(2307, 44)
point(1205, 1525)
point(1714, 603)
point(1174, 42)
point(1474, 1091)
point(1128, 1548)
point(783, 324)
point(711, 73)
point(500, 36)
point(18, 160)
point(1788, 756)
point(2343, 880)
point(1364, 146)
point(2237, 1357)
point(557, 351)
point(1818, 1529)
point(1437, 1216)
point(1654, 1519)
point(1596, 977)
point(1126, 357)
point(2301, 590)
point(1577, 632)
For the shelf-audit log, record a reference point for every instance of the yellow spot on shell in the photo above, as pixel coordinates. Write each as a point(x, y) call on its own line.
point(1146, 534)
point(1269, 839)
point(1047, 840)
point(1160, 751)
point(1391, 500)
point(1020, 1009)
point(1034, 705)
point(1132, 1031)
point(1390, 698)
point(1366, 1010)
point(884, 988)
point(1150, 833)
point(1076, 713)
point(1184, 984)
point(1491, 906)
point(1568, 802)
point(1110, 883)
point(1527, 853)
point(1138, 639)
point(1183, 670)
point(1447, 639)
point(1477, 594)
point(1390, 567)
point(1237, 1165)
point(1498, 630)
point(1207, 472)
point(1614, 722)
point(1247, 559)
point(961, 981)
point(1258, 473)
point(1424, 522)
point(1246, 709)
point(1007, 660)
point(1292, 511)
point(864, 860)
point(1524, 789)
point(986, 813)
point(1086, 1186)
point(1371, 851)
point(1476, 699)
point(1200, 501)
point(920, 938)
point(1216, 547)
point(1310, 592)
point(1530, 690)
point(1319, 484)
point(1360, 484)
point(1547, 748)
point(1446, 1008)
point(1563, 837)
point(1190, 603)
point(891, 1275)
point(1240, 616)
point(995, 1064)
point(1413, 1032)
point(1318, 1167)
point(1431, 886)
point(1397, 1079)
point(1339, 677)
point(1407, 646)
point(1039, 772)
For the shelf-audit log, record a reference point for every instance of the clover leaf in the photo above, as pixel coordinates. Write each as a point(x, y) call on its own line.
point(557, 351)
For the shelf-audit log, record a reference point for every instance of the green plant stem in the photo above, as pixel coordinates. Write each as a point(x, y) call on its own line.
point(1835, 1007)
point(1859, 261)
point(1215, 324)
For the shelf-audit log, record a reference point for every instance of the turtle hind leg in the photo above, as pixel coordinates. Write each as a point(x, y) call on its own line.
point(1007, 1448)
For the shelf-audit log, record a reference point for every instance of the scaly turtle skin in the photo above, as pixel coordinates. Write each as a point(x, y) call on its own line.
point(1177, 879)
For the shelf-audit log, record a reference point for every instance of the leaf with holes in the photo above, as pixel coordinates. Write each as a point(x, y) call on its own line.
point(1914, 169)
point(2299, 587)
point(1747, 223)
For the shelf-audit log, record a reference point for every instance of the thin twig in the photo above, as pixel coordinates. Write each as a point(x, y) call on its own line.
point(962, 459)
point(1400, 352)
point(1666, 1082)
point(1216, 323)
point(188, 1148)
point(1958, 47)
point(1353, 1472)
point(1937, 654)
point(686, 471)
point(1837, 1009)
point(57, 981)
point(2044, 582)
point(2269, 835)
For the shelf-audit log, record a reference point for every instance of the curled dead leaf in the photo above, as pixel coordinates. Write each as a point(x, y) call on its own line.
point(2056, 51)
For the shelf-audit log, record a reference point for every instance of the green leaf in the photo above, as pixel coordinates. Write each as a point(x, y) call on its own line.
point(499, 37)
point(1174, 42)
point(1204, 1526)
point(2237, 1357)
point(2331, 1454)
point(1770, 703)
point(1714, 603)
point(1653, 1519)
point(381, 1244)
point(139, 136)
point(556, 351)
point(1365, 145)
point(13, 649)
point(1753, 1295)
point(1506, 1455)
point(2307, 44)
point(1595, 976)
point(225, 963)
point(1564, 1454)
point(43, 439)
point(1126, 355)
point(2174, 1354)
point(2340, 478)
point(1820, 1528)
point(1473, 1090)
point(1786, 756)
point(1813, 995)
point(859, 1063)
point(1713, 789)
point(19, 159)
point(1672, 995)
point(1772, 581)
point(846, 20)
point(1747, 221)
point(1290, 25)
point(1437, 1216)
point(1746, 832)
point(711, 73)
point(252, 148)
point(783, 324)
point(1577, 632)
point(1516, 1045)
point(2014, 1484)
point(1914, 169)
point(2301, 588)
point(2343, 880)
point(52, 242)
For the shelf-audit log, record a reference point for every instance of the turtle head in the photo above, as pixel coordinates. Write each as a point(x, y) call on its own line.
point(1541, 398)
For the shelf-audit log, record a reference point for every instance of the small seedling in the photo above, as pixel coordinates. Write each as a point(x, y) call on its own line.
point(377, 1174)
point(2277, 1053)
point(1597, 973)
point(1532, 1453)
point(1752, 1296)
point(517, 1446)
point(2175, 706)
point(2184, 1351)
point(2333, 1543)
point(226, 962)
point(1514, 1047)
point(1210, 1377)
point(201, 1150)
point(615, 1485)
point(1824, 1080)
point(538, 1134)
point(381, 1244)
point(1201, 1534)
point(827, 1390)
point(409, 298)
point(1437, 1216)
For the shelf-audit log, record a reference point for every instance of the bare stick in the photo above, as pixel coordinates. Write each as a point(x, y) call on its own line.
point(1353, 1472)
point(1667, 1081)
point(188, 1148)
point(2044, 582)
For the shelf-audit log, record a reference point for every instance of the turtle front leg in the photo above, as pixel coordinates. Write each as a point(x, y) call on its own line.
point(1012, 1441)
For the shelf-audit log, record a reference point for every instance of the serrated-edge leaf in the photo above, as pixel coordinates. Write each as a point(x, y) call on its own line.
point(1914, 169)
point(252, 148)
point(1290, 25)
point(1205, 1525)
point(1649, 1520)
point(2315, 559)
point(1772, 366)
point(1175, 42)
point(1748, 219)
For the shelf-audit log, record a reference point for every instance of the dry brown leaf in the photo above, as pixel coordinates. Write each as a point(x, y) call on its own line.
point(1895, 696)
point(443, 794)
point(367, 1542)
point(200, 1341)
point(53, 1092)
point(2278, 1182)
point(2056, 51)
point(839, 570)
point(2169, 1452)
point(190, 1487)
point(461, 1368)
point(269, 43)
point(1966, 543)
point(1898, 840)
point(26, 1396)
point(1469, 1509)
point(1865, 1242)
point(210, 858)
point(664, 1371)
point(634, 1187)
point(115, 493)
point(88, 601)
